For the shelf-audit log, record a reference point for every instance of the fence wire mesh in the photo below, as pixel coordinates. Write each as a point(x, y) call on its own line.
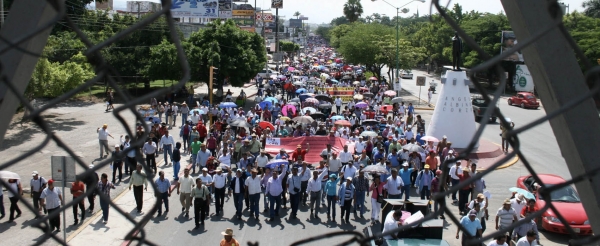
point(104, 71)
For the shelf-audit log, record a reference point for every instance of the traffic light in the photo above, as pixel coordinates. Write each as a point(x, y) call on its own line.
point(214, 75)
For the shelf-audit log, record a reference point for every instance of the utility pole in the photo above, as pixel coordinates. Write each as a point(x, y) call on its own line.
point(277, 36)
point(138, 3)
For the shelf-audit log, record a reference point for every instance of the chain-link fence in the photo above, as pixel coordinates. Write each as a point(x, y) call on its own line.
point(104, 71)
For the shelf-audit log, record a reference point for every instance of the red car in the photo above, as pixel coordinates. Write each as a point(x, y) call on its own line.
point(566, 200)
point(525, 100)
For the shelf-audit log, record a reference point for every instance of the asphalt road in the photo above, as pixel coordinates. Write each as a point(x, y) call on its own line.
point(538, 145)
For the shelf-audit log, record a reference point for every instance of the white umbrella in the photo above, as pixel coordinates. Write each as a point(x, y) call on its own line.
point(430, 138)
point(312, 110)
point(377, 169)
point(397, 100)
point(9, 175)
point(413, 148)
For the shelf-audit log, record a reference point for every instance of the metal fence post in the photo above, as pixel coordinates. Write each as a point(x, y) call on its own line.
point(558, 80)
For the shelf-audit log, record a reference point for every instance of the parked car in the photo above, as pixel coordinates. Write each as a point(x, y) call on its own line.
point(406, 74)
point(565, 200)
point(525, 100)
point(479, 107)
point(265, 74)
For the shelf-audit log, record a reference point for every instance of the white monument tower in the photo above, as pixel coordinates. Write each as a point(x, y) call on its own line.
point(453, 114)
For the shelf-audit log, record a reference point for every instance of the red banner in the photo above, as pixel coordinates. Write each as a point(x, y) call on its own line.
point(317, 144)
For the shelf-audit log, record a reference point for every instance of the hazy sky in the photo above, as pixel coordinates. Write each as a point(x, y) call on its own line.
point(323, 11)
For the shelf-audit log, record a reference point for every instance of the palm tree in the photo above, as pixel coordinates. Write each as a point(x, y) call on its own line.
point(297, 14)
point(592, 8)
point(353, 10)
point(369, 19)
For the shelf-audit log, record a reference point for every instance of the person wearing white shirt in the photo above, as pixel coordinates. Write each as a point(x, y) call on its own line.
point(394, 185)
point(314, 189)
point(529, 240)
point(103, 135)
point(392, 222)
point(348, 170)
point(225, 158)
point(304, 177)
point(166, 144)
point(220, 183)
point(338, 104)
point(175, 112)
point(498, 241)
point(409, 135)
point(184, 190)
point(454, 172)
point(195, 118)
point(345, 156)
point(253, 187)
point(518, 203)
point(360, 146)
point(262, 160)
point(149, 150)
point(335, 164)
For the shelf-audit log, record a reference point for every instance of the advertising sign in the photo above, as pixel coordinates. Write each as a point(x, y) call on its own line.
point(523, 80)
point(266, 17)
point(243, 21)
point(225, 7)
point(243, 12)
point(248, 29)
point(302, 17)
point(276, 4)
point(508, 41)
point(207, 9)
point(295, 23)
point(274, 145)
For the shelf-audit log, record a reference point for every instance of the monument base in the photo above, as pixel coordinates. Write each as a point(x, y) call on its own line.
point(486, 154)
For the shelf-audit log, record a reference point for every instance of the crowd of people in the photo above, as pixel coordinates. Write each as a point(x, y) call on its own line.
point(386, 155)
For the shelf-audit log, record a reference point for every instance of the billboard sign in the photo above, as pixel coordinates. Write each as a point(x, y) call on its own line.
point(302, 17)
point(508, 41)
point(225, 7)
point(276, 4)
point(243, 21)
point(266, 17)
point(295, 23)
point(243, 12)
point(207, 9)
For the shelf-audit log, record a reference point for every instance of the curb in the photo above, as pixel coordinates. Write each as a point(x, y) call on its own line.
point(127, 242)
point(506, 164)
point(424, 108)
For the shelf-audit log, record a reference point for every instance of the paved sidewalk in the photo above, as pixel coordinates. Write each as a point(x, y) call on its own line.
point(118, 226)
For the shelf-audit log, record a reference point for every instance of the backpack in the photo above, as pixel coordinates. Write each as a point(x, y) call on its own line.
point(186, 130)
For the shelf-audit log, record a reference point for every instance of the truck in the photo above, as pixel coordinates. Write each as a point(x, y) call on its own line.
point(479, 107)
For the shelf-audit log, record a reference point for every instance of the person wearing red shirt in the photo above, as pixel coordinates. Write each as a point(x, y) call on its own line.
point(201, 131)
point(300, 152)
point(211, 144)
point(266, 115)
point(463, 194)
point(218, 126)
point(432, 160)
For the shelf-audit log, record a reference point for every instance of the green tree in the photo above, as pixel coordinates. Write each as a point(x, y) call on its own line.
point(52, 79)
point(163, 63)
point(324, 32)
point(592, 8)
point(297, 14)
point(238, 54)
point(339, 21)
point(361, 45)
point(353, 10)
point(585, 31)
point(338, 32)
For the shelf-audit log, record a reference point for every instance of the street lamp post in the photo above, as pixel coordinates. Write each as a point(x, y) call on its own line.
point(398, 32)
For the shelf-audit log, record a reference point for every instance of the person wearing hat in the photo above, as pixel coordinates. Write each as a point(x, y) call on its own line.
point(207, 180)
point(37, 184)
point(506, 216)
point(518, 203)
point(117, 164)
point(472, 226)
point(255, 145)
point(220, 182)
point(253, 188)
point(51, 198)
point(238, 189)
point(345, 196)
point(405, 174)
point(455, 172)
point(423, 181)
point(185, 110)
point(103, 135)
point(228, 239)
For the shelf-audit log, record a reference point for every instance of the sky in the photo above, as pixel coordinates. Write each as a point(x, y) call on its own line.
point(323, 11)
